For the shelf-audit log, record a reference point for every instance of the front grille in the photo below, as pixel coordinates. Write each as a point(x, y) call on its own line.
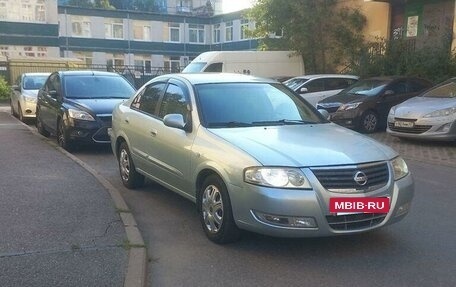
point(416, 129)
point(330, 108)
point(107, 120)
point(342, 178)
point(101, 136)
point(355, 221)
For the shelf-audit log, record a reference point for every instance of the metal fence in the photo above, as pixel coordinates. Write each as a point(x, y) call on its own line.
point(136, 75)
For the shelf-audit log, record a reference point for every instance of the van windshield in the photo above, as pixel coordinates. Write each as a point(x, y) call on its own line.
point(194, 67)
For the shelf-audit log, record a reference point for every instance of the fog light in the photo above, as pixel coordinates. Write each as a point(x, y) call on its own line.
point(348, 122)
point(286, 221)
point(445, 128)
point(403, 209)
point(78, 134)
point(28, 111)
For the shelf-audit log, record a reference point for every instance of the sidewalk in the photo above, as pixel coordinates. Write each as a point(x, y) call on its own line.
point(58, 224)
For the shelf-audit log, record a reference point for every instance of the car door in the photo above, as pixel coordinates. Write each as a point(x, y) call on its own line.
point(315, 88)
point(48, 101)
point(140, 120)
point(171, 148)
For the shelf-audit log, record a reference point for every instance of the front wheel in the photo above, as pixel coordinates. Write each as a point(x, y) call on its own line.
point(21, 115)
point(215, 211)
point(369, 122)
point(130, 177)
point(39, 126)
point(62, 138)
point(12, 109)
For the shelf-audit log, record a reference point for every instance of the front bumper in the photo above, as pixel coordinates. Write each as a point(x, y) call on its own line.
point(425, 129)
point(89, 131)
point(250, 200)
point(349, 119)
point(28, 109)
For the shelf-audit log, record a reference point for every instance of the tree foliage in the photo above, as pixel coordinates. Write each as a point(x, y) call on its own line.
point(327, 35)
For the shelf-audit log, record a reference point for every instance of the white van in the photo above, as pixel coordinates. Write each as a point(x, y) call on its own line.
point(268, 64)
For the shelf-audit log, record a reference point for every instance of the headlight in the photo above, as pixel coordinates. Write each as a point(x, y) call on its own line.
point(400, 168)
point(276, 177)
point(80, 115)
point(30, 99)
point(392, 111)
point(441, 113)
point(350, 106)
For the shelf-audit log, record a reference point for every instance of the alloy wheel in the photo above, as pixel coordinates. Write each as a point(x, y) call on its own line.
point(370, 122)
point(124, 163)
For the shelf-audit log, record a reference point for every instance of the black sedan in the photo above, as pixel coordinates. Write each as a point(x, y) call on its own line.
point(364, 106)
point(77, 106)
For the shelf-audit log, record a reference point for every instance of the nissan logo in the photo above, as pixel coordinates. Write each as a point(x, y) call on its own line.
point(360, 178)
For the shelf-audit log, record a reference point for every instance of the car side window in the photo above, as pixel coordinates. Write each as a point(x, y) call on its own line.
point(399, 87)
point(215, 67)
point(56, 84)
point(148, 99)
point(49, 86)
point(174, 102)
point(313, 86)
point(417, 86)
point(337, 83)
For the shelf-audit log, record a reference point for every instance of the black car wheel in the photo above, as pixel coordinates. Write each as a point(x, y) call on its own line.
point(62, 137)
point(215, 211)
point(39, 125)
point(21, 115)
point(130, 177)
point(12, 109)
point(369, 122)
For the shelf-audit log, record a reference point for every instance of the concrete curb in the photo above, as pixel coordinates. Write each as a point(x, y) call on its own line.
point(136, 275)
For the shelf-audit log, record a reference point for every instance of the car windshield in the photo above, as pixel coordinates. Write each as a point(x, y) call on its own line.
point(33, 82)
point(369, 87)
point(194, 67)
point(445, 90)
point(96, 86)
point(252, 104)
point(295, 83)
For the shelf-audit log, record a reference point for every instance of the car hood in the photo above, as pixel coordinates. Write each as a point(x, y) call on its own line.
point(30, 93)
point(419, 106)
point(306, 145)
point(344, 98)
point(95, 106)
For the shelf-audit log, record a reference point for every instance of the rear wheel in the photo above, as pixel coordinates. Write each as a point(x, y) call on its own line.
point(369, 122)
point(62, 137)
point(39, 125)
point(215, 211)
point(130, 177)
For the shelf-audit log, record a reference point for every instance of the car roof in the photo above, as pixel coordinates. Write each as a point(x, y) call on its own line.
point(215, 78)
point(315, 76)
point(87, 72)
point(35, 74)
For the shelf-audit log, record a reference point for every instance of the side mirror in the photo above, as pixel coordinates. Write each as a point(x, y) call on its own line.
point(174, 121)
point(303, 90)
point(324, 113)
point(388, 93)
point(16, 88)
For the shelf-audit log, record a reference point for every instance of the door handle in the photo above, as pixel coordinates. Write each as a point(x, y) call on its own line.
point(153, 132)
point(127, 120)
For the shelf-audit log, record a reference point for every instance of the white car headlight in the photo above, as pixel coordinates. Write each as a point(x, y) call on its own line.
point(441, 113)
point(350, 106)
point(400, 168)
point(392, 111)
point(80, 115)
point(276, 177)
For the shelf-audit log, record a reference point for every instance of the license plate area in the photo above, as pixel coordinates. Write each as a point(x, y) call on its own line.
point(404, 124)
point(357, 205)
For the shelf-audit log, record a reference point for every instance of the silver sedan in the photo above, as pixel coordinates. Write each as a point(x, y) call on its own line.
point(430, 116)
point(253, 155)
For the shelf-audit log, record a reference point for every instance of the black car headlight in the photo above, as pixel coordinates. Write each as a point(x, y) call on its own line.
point(80, 115)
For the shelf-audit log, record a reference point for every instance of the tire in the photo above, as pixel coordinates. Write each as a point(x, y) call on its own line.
point(40, 127)
point(369, 122)
point(62, 138)
point(21, 115)
point(215, 211)
point(12, 109)
point(130, 177)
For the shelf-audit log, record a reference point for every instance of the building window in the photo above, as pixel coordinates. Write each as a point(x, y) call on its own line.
point(27, 12)
point(141, 31)
point(87, 57)
point(40, 11)
point(115, 63)
point(3, 9)
point(216, 34)
point(229, 31)
point(143, 65)
point(244, 29)
point(171, 64)
point(80, 26)
point(174, 32)
point(196, 33)
point(114, 29)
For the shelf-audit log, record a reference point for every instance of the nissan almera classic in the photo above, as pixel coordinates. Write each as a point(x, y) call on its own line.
point(253, 155)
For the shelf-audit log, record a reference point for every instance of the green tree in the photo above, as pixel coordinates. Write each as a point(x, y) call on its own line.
point(81, 3)
point(327, 35)
point(104, 4)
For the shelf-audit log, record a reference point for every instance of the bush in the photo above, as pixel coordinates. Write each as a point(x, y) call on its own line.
point(5, 90)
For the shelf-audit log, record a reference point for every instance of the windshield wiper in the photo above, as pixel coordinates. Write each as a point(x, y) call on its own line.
point(232, 124)
point(283, 122)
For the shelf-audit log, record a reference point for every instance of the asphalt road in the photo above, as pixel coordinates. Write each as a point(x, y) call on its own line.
point(418, 251)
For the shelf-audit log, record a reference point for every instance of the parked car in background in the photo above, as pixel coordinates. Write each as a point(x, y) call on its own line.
point(77, 106)
point(364, 106)
point(23, 97)
point(254, 155)
point(315, 88)
point(430, 116)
